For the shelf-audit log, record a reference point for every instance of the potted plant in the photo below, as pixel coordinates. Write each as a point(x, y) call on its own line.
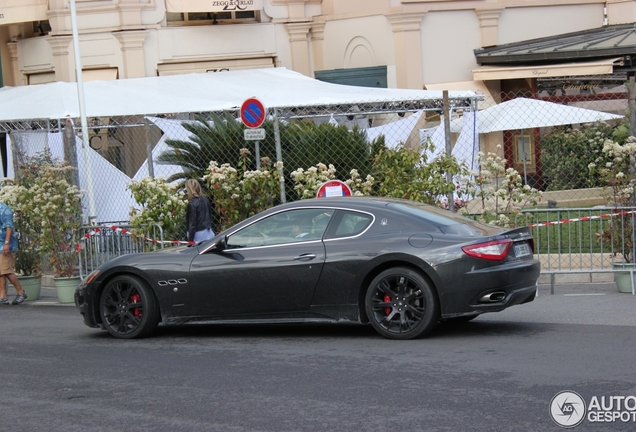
point(616, 167)
point(58, 203)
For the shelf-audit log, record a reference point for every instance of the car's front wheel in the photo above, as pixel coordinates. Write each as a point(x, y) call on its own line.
point(128, 308)
point(401, 304)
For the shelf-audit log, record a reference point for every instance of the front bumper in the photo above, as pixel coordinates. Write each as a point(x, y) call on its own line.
point(82, 305)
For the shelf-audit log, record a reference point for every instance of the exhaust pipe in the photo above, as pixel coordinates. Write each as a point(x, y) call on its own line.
point(493, 297)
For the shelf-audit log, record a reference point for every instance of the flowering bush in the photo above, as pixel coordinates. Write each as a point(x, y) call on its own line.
point(58, 205)
point(21, 196)
point(500, 191)
point(159, 203)
point(358, 186)
point(241, 193)
point(616, 167)
point(307, 182)
point(407, 173)
point(566, 153)
point(27, 225)
point(48, 213)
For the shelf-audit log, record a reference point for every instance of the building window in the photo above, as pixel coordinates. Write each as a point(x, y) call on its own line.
point(375, 76)
point(523, 150)
point(210, 18)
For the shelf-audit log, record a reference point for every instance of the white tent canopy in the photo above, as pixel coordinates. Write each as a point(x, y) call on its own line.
point(395, 132)
point(523, 113)
point(113, 200)
point(172, 129)
point(275, 87)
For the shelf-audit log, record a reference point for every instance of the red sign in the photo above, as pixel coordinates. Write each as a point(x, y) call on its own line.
point(253, 113)
point(333, 188)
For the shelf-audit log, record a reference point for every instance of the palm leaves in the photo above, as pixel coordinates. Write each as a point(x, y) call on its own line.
point(304, 144)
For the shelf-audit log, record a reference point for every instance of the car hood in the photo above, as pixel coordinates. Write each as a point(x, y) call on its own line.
point(137, 259)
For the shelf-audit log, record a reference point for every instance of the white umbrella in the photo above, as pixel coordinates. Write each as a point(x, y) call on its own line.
point(523, 113)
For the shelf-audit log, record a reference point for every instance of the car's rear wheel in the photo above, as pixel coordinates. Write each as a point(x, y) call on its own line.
point(128, 308)
point(401, 304)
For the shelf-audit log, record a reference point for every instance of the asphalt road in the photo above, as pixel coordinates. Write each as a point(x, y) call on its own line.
point(497, 373)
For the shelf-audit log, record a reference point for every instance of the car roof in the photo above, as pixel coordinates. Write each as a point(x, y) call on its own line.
point(356, 201)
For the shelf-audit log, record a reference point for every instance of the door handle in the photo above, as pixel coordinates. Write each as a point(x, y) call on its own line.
point(305, 257)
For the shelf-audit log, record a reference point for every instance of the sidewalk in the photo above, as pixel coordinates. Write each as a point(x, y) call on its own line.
point(48, 297)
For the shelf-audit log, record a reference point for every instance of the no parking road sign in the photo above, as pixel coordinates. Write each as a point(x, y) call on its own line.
point(333, 188)
point(253, 113)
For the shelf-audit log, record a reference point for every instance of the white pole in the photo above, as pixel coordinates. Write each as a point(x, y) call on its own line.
point(82, 108)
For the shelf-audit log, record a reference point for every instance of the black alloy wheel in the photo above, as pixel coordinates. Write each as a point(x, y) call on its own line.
point(401, 304)
point(128, 308)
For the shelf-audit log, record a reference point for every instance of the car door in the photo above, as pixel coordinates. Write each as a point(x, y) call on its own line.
point(269, 267)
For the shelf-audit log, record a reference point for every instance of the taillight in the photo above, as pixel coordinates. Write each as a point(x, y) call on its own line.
point(495, 250)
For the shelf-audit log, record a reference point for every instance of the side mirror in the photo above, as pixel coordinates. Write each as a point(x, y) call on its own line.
point(221, 244)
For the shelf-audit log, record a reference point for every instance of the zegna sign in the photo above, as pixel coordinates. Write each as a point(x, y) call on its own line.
point(213, 5)
point(22, 11)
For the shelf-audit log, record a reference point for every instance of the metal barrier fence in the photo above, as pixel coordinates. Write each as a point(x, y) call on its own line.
point(582, 240)
point(551, 136)
point(101, 243)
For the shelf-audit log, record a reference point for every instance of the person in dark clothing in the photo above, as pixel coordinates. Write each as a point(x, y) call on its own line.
point(198, 213)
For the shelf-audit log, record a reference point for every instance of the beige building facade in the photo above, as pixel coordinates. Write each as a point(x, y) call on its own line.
point(417, 43)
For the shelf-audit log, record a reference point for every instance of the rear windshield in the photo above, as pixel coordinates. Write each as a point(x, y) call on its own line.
point(448, 222)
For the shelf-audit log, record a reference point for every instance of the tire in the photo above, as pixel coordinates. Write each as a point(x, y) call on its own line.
point(128, 308)
point(400, 304)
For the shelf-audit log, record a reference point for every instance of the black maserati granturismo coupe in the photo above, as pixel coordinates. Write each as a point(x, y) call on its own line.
point(399, 265)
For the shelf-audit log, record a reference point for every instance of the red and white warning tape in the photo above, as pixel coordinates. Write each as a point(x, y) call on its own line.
point(115, 228)
point(581, 219)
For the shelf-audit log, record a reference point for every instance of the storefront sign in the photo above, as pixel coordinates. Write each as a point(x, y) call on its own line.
point(26, 11)
point(213, 5)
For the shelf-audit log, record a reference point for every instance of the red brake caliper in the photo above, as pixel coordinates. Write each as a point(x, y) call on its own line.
point(136, 298)
point(387, 299)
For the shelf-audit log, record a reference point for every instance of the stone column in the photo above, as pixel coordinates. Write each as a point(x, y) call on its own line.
point(132, 43)
point(299, 44)
point(130, 13)
point(61, 59)
point(17, 78)
point(489, 25)
point(407, 43)
point(318, 45)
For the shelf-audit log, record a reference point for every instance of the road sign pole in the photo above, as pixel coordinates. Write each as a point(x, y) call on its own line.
point(257, 150)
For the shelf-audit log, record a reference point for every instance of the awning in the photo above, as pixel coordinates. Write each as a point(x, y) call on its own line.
point(476, 86)
point(213, 5)
point(87, 75)
point(598, 67)
point(23, 11)
point(99, 74)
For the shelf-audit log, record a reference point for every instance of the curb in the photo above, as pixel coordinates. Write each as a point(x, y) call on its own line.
point(48, 297)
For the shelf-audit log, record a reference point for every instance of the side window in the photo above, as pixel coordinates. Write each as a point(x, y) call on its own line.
point(292, 226)
point(353, 223)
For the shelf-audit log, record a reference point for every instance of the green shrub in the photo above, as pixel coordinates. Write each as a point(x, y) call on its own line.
point(566, 154)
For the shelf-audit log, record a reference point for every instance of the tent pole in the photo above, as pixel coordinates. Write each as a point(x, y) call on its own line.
point(151, 168)
point(279, 156)
point(447, 136)
point(82, 108)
